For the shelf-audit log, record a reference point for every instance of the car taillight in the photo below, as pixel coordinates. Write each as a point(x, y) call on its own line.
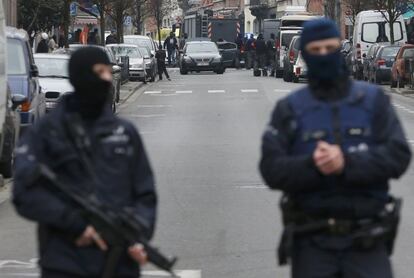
point(277, 45)
point(381, 62)
point(358, 47)
point(291, 56)
point(298, 71)
point(25, 107)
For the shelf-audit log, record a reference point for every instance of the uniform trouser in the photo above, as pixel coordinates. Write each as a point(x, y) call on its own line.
point(260, 62)
point(311, 261)
point(162, 69)
point(272, 62)
point(250, 58)
point(47, 273)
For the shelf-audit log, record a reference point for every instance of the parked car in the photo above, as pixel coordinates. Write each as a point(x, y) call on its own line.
point(9, 118)
point(201, 56)
point(290, 59)
point(136, 60)
point(368, 58)
point(139, 40)
point(380, 67)
point(282, 45)
point(398, 74)
point(22, 76)
point(53, 77)
point(150, 63)
point(372, 27)
point(300, 70)
point(229, 52)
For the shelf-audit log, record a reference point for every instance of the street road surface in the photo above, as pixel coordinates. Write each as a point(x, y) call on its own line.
point(203, 133)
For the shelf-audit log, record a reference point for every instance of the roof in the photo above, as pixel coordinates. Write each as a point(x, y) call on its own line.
point(51, 55)
point(12, 32)
point(196, 42)
point(122, 44)
point(137, 37)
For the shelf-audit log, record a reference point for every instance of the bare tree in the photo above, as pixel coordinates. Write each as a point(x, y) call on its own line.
point(353, 7)
point(392, 10)
point(140, 12)
point(118, 11)
point(103, 8)
point(159, 9)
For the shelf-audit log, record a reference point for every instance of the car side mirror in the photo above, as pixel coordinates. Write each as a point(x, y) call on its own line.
point(152, 55)
point(120, 64)
point(34, 71)
point(364, 55)
point(17, 100)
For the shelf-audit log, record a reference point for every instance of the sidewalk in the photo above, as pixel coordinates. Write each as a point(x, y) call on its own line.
point(401, 91)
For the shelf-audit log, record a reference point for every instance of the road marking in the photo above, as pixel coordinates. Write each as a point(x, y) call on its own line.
point(183, 92)
point(282, 91)
point(153, 106)
point(249, 90)
point(147, 116)
point(152, 92)
point(252, 187)
point(216, 91)
point(32, 263)
point(401, 107)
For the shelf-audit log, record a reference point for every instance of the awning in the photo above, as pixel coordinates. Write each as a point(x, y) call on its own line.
point(86, 20)
point(410, 13)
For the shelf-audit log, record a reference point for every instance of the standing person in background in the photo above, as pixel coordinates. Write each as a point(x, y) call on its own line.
point(62, 39)
point(183, 41)
point(92, 37)
point(52, 43)
point(111, 39)
point(171, 45)
point(161, 56)
point(261, 55)
point(251, 50)
point(43, 46)
point(240, 49)
point(271, 53)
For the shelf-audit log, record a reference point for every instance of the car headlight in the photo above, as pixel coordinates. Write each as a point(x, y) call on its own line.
point(217, 59)
point(187, 59)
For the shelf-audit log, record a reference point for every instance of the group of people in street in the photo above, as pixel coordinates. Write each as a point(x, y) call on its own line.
point(331, 147)
point(48, 44)
point(259, 54)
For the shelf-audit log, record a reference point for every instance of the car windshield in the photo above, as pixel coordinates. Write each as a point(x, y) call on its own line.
point(408, 53)
point(145, 51)
point(287, 38)
point(227, 46)
point(16, 57)
point(201, 47)
point(390, 51)
point(131, 52)
point(373, 32)
point(52, 67)
point(138, 41)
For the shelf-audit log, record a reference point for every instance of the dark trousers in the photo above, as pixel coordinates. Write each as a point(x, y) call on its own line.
point(47, 273)
point(162, 69)
point(311, 261)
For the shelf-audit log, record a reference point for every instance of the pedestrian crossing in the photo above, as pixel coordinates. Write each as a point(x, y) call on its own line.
point(169, 92)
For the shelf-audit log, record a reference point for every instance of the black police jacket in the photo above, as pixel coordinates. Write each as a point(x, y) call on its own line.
point(297, 175)
point(125, 180)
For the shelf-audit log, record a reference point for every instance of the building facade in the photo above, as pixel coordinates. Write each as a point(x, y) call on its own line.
point(10, 10)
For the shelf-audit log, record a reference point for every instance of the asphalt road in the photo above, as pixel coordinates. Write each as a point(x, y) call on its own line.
point(202, 133)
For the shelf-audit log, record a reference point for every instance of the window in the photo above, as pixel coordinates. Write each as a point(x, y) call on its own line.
point(16, 57)
point(390, 51)
point(408, 53)
point(201, 47)
point(374, 32)
point(52, 67)
point(287, 38)
point(131, 52)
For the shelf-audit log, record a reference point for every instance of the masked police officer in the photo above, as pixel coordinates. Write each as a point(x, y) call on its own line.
point(69, 246)
point(332, 148)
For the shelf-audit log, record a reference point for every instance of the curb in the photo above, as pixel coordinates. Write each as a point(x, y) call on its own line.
point(402, 92)
point(131, 92)
point(5, 191)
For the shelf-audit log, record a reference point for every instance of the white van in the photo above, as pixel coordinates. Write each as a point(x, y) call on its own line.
point(371, 27)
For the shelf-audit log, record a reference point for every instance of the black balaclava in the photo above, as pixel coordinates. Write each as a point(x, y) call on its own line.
point(92, 94)
point(328, 75)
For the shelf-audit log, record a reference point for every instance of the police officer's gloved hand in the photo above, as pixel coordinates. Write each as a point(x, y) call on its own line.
point(90, 73)
point(329, 159)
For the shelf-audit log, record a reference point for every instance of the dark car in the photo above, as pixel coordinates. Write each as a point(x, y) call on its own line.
point(22, 74)
point(201, 56)
point(290, 59)
point(380, 67)
point(368, 58)
point(229, 52)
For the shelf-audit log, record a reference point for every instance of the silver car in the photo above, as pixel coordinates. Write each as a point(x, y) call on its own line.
point(150, 63)
point(53, 77)
point(136, 60)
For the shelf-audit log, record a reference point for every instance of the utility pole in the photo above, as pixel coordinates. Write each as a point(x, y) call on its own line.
point(338, 13)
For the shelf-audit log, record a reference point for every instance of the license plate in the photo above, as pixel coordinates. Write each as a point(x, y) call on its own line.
point(202, 64)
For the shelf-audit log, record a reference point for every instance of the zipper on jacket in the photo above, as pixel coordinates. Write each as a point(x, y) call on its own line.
point(336, 125)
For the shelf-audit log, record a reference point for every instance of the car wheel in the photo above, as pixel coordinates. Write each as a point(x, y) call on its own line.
point(295, 79)
point(183, 71)
point(279, 73)
point(6, 164)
